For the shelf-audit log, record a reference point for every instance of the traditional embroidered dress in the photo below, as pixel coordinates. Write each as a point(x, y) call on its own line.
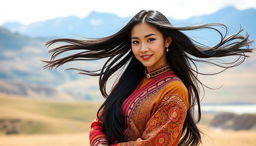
point(155, 113)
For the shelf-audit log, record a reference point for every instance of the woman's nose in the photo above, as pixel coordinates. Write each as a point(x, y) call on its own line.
point(144, 47)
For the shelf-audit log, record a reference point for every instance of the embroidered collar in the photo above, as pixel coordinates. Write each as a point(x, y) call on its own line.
point(157, 72)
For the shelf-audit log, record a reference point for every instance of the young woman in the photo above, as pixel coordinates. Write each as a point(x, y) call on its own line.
point(153, 100)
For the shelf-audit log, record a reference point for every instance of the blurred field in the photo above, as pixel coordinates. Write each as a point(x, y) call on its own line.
point(78, 139)
point(210, 138)
point(215, 137)
point(39, 117)
point(51, 123)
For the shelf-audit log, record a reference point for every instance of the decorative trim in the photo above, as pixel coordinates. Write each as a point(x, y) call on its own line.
point(157, 72)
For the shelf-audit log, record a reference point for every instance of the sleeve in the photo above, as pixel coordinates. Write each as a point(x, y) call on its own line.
point(96, 134)
point(166, 124)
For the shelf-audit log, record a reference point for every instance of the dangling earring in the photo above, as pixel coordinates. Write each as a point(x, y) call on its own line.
point(167, 49)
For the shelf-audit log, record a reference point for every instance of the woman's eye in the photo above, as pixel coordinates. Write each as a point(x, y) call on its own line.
point(135, 42)
point(151, 39)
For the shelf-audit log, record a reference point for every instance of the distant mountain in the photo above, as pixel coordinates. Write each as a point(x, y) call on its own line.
point(229, 16)
point(35, 91)
point(98, 24)
point(12, 41)
point(22, 71)
point(94, 25)
point(233, 121)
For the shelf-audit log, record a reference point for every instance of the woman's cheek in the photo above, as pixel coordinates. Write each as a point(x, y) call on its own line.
point(135, 50)
point(136, 53)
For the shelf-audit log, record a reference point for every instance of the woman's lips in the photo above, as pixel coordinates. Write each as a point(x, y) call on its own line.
point(146, 57)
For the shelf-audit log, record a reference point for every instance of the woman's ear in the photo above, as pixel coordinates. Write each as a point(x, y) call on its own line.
point(168, 41)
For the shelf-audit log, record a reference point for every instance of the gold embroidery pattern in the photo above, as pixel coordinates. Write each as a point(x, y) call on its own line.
point(166, 124)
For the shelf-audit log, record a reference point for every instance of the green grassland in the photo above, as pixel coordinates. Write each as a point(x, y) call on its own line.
point(32, 116)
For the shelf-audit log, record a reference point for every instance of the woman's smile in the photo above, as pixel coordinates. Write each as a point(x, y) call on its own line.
point(146, 57)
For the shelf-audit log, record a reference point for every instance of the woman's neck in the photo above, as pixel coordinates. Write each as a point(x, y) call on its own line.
point(152, 69)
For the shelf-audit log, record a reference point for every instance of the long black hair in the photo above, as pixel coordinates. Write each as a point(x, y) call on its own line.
point(182, 57)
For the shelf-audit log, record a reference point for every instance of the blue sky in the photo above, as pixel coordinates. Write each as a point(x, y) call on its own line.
point(28, 11)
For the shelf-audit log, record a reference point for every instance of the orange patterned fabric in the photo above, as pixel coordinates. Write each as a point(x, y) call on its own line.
point(155, 112)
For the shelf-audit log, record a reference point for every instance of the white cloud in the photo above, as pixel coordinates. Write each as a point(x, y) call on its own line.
point(27, 11)
point(31, 50)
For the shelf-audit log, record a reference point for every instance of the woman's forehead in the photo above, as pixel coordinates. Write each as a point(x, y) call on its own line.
point(143, 29)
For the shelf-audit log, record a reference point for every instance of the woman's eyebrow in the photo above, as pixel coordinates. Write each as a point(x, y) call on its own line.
point(148, 35)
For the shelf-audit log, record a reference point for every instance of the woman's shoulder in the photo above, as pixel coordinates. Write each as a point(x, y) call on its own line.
point(174, 93)
point(177, 89)
point(176, 85)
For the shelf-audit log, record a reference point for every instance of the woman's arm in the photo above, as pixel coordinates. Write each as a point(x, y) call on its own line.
point(96, 136)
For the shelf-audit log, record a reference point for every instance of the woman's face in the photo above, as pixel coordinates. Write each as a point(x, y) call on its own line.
point(148, 46)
